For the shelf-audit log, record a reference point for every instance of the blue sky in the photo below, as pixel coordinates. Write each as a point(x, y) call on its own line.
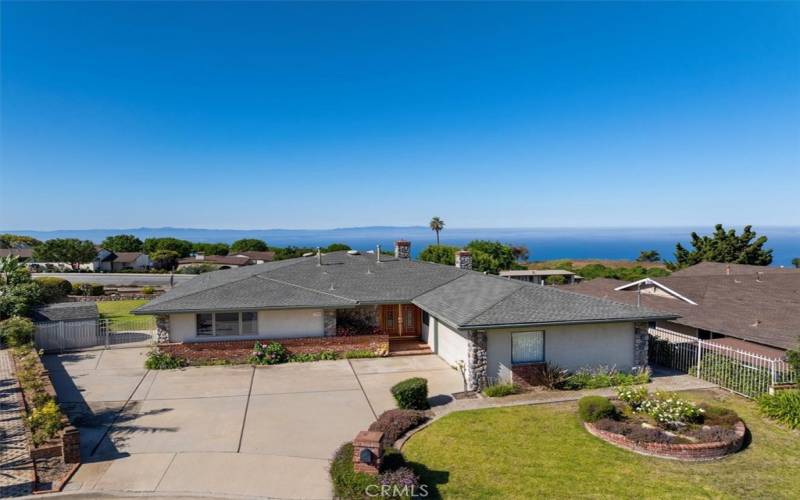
point(260, 115)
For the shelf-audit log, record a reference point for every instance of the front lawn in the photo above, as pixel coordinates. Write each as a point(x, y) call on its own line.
point(119, 309)
point(543, 451)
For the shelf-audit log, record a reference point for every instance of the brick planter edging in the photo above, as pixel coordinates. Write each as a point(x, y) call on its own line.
point(688, 452)
point(239, 351)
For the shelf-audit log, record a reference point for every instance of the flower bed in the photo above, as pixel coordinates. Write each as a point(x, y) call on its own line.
point(664, 425)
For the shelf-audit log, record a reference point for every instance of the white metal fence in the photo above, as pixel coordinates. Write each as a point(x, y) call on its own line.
point(70, 335)
point(742, 372)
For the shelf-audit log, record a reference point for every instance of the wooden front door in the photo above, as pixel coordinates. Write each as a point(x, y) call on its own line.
point(401, 320)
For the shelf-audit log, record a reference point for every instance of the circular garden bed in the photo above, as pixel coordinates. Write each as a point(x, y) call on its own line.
point(663, 425)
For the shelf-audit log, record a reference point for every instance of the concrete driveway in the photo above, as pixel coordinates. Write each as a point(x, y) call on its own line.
point(225, 430)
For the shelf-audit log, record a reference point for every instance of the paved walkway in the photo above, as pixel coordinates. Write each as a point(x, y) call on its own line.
point(16, 467)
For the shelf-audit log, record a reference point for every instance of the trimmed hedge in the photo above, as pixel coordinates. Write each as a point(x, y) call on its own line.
point(395, 423)
point(54, 289)
point(91, 289)
point(412, 394)
point(594, 408)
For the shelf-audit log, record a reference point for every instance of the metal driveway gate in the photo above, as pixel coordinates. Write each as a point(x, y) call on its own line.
point(63, 336)
point(742, 372)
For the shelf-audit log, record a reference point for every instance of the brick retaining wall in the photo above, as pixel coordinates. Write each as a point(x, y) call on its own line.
point(692, 451)
point(239, 351)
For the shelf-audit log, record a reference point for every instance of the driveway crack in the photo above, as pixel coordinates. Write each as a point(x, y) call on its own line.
point(246, 409)
point(375, 415)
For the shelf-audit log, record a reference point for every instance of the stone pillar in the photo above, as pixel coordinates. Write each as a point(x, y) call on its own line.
point(401, 325)
point(402, 249)
point(329, 320)
point(477, 360)
point(71, 445)
point(162, 329)
point(464, 260)
point(640, 346)
point(368, 452)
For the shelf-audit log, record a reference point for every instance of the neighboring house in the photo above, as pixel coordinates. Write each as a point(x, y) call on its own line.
point(24, 254)
point(497, 329)
point(102, 261)
point(256, 257)
point(223, 261)
point(751, 308)
point(130, 260)
point(67, 311)
point(539, 276)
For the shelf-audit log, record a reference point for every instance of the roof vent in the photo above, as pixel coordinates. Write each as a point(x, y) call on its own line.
point(353, 252)
point(319, 256)
point(378, 253)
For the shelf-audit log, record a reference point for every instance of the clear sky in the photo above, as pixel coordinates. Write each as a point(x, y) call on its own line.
point(260, 115)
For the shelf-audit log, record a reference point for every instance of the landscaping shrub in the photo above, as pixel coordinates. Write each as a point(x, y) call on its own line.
point(594, 408)
point(270, 354)
point(17, 331)
point(45, 422)
point(360, 353)
point(160, 360)
point(88, 289)
point(53, 289)
point(500, 390)
point(712, 434)
point(669, 409)
point(633, 397)
point(718, 415)
point(615, 426)
point(641, 434)
point(316, 356)
point(148, 290)
point(399, 483)
point(412, 394)
point(347, 483)
point(604, 376)
point(395, 423)
point(552, 376)
point(783, 406)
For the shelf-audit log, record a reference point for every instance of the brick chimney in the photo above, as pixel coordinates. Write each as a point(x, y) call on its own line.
point(464, 260)
point(402, 249)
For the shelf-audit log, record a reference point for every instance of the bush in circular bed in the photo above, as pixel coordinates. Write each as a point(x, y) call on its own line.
point(412, 394)
point(593, 408)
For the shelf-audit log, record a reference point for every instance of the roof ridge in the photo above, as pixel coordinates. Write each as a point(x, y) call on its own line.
point(266, 278)
point(504, 297)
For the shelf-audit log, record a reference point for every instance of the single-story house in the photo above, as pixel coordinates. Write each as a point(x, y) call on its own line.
point(223, 261)
point(749, 308)
point(130, 260)
point(496, 328)
point(539, 276)
point(255, 256)
point(23, 254)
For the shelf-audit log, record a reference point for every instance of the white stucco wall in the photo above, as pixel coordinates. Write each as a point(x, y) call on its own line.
point(452, 344)
point(274, 323)
point(569, 346)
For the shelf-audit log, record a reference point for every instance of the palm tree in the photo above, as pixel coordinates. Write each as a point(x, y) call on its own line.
point(437, 225)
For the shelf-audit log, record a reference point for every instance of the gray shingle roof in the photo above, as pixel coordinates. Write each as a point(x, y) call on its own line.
point(66, 311)
point(463, 298)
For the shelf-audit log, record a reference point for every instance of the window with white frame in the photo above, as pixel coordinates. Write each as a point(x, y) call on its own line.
point(225, 324)
point(527, 347)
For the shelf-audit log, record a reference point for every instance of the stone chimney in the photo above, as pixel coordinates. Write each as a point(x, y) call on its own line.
point(402, 249)
point(464, 260)
point(200, 256)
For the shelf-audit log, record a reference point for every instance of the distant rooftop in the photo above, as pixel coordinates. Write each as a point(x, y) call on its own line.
point(537, 272)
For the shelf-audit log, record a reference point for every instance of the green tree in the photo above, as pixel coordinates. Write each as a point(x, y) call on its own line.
point(490, 256)
point(648, 256)
point(122, 243)
point(440, 254)
point(796, 262)
point(436, 225)
point(20, 299)
point(164, 259)
point(291, 252)
point(18, 241)
point(182, 247)
point(724, 246)
point(336, 247)
point(12, 271)
point(211, 248)
point(520, 252)
point(249, 245)
point(70, 250)
point(555, 279)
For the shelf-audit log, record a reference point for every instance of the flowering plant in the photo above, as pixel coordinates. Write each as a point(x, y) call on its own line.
point(270, 354)
point(667, 409)
point(632, 396)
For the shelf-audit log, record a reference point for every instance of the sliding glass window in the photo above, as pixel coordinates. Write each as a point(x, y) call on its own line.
point(227, 324)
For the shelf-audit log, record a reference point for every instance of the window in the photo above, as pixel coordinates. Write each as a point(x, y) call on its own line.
point(227, 324)
point(527, 347)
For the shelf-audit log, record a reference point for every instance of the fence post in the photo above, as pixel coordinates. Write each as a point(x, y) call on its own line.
point(699, 355)
point(772, 372)
point(104, 325)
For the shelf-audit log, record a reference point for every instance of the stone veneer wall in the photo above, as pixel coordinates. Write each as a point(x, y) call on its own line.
point(162, 329)
point(239, 351)
point(477, 360)
point(640, 346)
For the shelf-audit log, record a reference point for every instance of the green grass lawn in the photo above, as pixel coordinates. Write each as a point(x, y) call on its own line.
point(543, 451)
point(119, 309)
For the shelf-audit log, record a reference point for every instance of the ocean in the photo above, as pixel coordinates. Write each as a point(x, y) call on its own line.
point(543, 244)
